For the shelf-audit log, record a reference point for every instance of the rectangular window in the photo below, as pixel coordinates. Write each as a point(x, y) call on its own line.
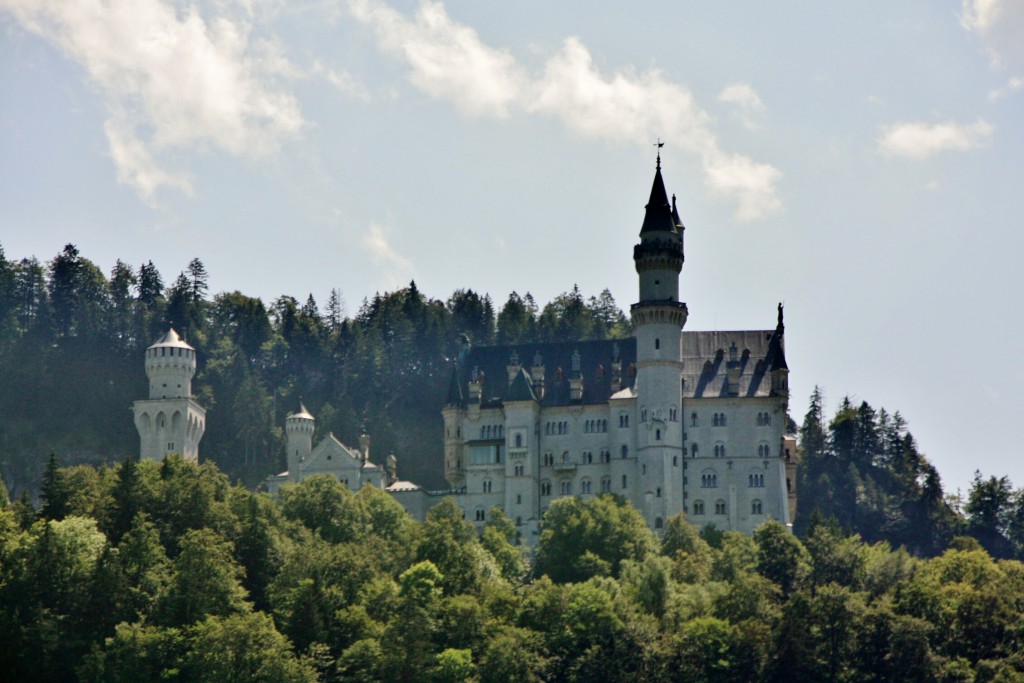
point(485, 455)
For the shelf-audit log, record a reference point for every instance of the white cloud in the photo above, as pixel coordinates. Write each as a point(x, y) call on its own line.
point(1012, 86)
point(348, 84)
point(746, 100)
point(376, 242)
point(449, 61)
point(188, 81)
point(918, 140)
point(999, 26)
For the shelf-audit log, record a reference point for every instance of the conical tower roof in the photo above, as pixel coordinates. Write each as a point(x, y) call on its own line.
point(659, 216)
point(171, 339)
point(302, 413)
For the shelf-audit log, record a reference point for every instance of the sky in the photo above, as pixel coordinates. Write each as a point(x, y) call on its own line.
point(860, 162)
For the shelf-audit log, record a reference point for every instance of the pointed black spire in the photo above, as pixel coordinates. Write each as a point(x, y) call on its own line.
point(776, 347)
point(455, 389)
point(659, 212)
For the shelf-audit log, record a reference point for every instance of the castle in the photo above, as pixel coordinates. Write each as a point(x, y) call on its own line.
point(673, 421)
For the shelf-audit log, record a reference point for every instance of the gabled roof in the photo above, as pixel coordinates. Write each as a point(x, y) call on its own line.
point(596, 361)
point(705, 357)
point(521, 388)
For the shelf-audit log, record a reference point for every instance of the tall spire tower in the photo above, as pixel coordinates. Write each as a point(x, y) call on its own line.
point(658, 320)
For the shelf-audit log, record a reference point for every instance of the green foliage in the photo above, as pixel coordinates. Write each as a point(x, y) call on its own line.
point(584, 538)
point(379, 597)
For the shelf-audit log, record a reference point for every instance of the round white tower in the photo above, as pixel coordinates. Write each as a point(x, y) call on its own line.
point(299, 429)
point(170, 367)
point(170, 421)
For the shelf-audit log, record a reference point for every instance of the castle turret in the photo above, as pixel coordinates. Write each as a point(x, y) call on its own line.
point(454, 412)
point(658, 318)
point(299, 428)
point(170, 421)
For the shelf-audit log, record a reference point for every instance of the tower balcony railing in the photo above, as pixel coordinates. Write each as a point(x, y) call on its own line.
point(565, 466)
point(672, 303)
point(658, 247)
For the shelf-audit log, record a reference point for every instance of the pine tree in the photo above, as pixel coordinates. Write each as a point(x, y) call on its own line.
point(55, 493)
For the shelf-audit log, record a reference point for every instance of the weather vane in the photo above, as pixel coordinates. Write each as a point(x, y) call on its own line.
point(659, 144)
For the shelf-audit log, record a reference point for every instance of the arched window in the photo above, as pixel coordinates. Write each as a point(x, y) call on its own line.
point(480, 514)
point(565, 456)
point(545, 488)
point(606, 455)
point(709, 479)
point(549, 459)
point(518, 470)
point(606, 484)
point(588, 457)
point(566, 488)
point(657, 435)
point(720, 508)
point(693, 420)
point(625, 451)
point(693, 451)
point(625, 481)
point(487, 485)
point(658, 523)
point(698, 507)
point(764, 450)
point(719, 450)
point(519, 440)
point(756, 508)
point(585, 486)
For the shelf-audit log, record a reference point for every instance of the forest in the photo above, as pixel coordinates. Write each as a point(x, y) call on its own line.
point(147, 571)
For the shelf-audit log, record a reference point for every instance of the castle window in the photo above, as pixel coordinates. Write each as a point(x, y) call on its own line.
point(755, 480)
point(657, 492)
point(624, 481)
point(719, 450)
point(588, 457)
point(657, 344)
point(585, 486)
point(658, 523)
point(487, 485)
point(675, 461)
point(545, 488)
point(606, 484)
point(519, 500)
point(643, 414)
point(519, 520)
point(693, 451)
point(566, 488)
point(565, 456)
point(657, 435)
point(549, 459)
point(693, 420)
point(643, 469)
point(756, 508)
point(480, 514)
point(625, 451)
point(606, 455)
point(764, 450)
point(698, 507)
point(518, 470)
point(519, 440)
point(720, 508)
point(672, 414)
point(709, 479)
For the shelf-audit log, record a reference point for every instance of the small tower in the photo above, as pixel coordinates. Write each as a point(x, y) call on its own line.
point(777, 357)
point(170, 421)
point(299, 429)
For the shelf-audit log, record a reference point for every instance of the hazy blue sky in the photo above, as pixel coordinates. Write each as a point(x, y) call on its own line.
point(862, 161)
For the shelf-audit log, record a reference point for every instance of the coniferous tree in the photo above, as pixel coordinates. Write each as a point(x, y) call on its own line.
point(55, 494)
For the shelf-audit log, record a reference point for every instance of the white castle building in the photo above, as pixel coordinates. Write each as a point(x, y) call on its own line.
point(673, 421)
point(170, 421)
